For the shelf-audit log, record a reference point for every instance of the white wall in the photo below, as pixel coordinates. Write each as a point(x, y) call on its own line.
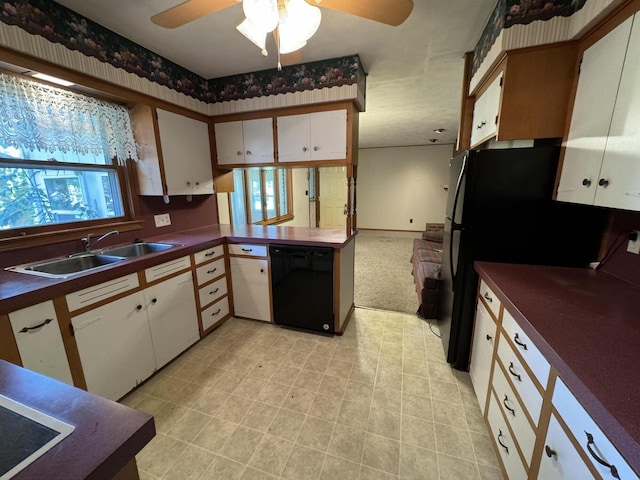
point(398, 184)
point(300, 199)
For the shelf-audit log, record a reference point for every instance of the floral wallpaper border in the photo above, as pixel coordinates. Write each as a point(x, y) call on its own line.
point(517, 12)
point(59, 24)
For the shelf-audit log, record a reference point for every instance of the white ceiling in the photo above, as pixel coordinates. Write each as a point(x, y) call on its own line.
point(414, 70)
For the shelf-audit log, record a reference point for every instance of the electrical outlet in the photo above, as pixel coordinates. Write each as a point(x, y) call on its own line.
point(634, 245)
point(163, 220)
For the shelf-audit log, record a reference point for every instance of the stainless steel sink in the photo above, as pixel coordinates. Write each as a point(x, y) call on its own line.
point(66, 266)
point(137, 249)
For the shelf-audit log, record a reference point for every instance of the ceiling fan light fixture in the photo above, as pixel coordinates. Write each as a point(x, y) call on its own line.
point(299, 21)
point(263, 14)
point(255, 35)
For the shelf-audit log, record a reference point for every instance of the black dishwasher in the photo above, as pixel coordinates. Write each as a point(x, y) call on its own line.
point(302, 286)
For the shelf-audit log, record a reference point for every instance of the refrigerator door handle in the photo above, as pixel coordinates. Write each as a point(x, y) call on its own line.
point(456, 226)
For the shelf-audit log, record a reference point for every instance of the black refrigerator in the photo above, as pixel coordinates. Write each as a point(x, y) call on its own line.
point(500, 209)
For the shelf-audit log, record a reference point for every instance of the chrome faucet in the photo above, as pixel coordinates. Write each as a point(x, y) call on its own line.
point(86, 241)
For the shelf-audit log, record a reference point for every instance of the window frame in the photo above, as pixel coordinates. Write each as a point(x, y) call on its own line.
point(124, 169)
point(279, 218)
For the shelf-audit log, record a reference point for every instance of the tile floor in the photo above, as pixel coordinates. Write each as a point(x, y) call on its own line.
point(254, 401)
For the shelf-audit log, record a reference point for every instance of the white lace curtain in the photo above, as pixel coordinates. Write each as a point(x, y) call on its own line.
point(35, 116)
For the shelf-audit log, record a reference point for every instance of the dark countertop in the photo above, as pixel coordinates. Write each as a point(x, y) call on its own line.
point(107, 435)
point(587, 324)
point(19, 290)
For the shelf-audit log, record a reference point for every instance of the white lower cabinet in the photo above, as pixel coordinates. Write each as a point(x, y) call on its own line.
point(250, 285)
point(115, 346)
point(484, 337)
point(123, 342)
point(173, 318)
point(560, 459)
point(39, 341)
point(506, 444)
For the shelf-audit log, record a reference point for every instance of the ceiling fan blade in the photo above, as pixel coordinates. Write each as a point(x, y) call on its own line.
point(189, 11)
point(390, 12)
point(292, 58)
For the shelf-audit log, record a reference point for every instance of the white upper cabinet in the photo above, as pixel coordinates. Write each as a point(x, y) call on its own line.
point(244, 142)
point(186, 154)
point(485, 112)
point(313, 136)
point(601, 162)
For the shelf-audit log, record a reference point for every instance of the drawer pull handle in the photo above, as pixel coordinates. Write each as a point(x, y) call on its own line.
point(550, 451)
point(603, 182)
point(30, 329)
point(214, 291)
point(488, 298)
point(612, 468)
point(504, 402)
point(247, 250)
point(216, 312)
point(586, 182)
point(489, 337)
point(212, 271)
point(210, 254)
point(506, 449)
point(512, 372)
point(516, 339)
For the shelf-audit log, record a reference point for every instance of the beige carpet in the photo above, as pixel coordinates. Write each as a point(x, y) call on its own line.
point(383, 277)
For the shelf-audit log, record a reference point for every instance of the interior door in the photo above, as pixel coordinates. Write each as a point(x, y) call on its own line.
point(333, 197)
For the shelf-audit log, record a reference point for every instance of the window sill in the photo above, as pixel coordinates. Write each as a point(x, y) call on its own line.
point(73, 233)
point(276, 221)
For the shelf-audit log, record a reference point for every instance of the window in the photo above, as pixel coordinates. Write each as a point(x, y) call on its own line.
point(62, 158)
point(261, 195)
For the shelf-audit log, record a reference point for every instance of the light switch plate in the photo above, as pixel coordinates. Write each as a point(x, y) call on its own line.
point(162, 220)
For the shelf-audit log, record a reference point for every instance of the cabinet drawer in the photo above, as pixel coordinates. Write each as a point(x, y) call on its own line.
point(560, 459)
point(210, 271)
point(211, 293)
point(39, 341)
point(248, 250)
point(208, 254)
point(520, 379)
point(215, 313)
point(580, 424)
point(514, 413)
point(504, 443)
point(490, 299)
point(96, 293)
point(536, 362)
point(167, 268)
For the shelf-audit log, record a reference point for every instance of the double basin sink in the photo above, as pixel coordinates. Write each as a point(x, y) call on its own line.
point(62, 267)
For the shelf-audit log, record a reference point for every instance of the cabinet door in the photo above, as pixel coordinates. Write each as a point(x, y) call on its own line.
point(115, 347)
point(328, 135)
point(560, 460)
point(258, 140)
point(293, 138)
point(485, 112)
point(484, 337)
point(591, 119)
point(621, 165)
point(250, 286)
point(173, 319)
point(229, 143)
point(39, 341)
point(186, 154)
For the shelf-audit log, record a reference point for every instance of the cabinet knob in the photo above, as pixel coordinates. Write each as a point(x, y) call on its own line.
point(603, 182)
point(138, 307)
point(549, 451)
point(197, 184)
point(316, 148)
point(586, 182)
point(262, 270)
point(489, 337)
point(304, 149)
point(154, 300)
point(249, 152)
point(188, 184)
point(239, 152)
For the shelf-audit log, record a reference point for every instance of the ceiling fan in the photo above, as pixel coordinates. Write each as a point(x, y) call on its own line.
point(292, 22)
